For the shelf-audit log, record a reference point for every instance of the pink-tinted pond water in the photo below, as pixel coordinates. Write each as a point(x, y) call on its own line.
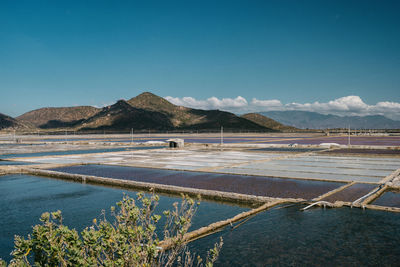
point(364, 151)
point(343, 140)
point(351, 193)
point(244, 184)
point(389, 198)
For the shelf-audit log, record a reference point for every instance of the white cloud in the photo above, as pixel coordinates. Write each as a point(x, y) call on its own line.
point(210, 103)
point(347, 104)
point(103, 104)
point(266, 103)
point(350, 106)
point(343, 106)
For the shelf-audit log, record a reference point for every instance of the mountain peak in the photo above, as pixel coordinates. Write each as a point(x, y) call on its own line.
point(147, 94)
point(151, 101)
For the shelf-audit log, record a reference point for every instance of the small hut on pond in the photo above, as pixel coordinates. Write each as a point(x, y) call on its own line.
point(176, 143)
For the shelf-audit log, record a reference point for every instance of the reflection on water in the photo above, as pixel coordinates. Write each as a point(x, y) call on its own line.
point(24, 198)
point(317, 237)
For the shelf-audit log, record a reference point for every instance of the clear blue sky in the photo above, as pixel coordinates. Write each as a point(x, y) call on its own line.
point(63, 53)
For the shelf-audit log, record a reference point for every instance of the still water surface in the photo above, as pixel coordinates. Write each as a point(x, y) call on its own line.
point(75, 152)
point(24, 198)
point(317, 237)
point(243, 184)
point(282, 236)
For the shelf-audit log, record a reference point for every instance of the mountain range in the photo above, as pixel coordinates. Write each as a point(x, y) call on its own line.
point(151, 112)
point(141, 113)
point(313, 120)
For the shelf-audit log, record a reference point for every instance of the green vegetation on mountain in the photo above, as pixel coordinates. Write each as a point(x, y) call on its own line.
point(47, 118)
point(141, 113)
point(7, 122)
point(122, 116)
point(196, 119)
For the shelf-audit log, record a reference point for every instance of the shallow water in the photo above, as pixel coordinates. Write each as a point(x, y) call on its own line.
point(244, 184)
point(74, 152)
point(304, 175)
point(364, 151)
point(351, 193)
point(389, 198)
point(287, 149)
point(6, 162)
point(343, 140)
point(24, 198)
point(317, 237)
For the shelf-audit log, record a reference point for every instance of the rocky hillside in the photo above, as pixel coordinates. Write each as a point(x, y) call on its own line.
point(143, 112)
point(122, 116)
point(9, 123)
point(48, 118)
point(268, 122)
point(178, 116)
point(196, 119)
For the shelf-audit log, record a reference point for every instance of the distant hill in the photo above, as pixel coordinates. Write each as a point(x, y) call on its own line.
point(268, 122)
point(143, 112)
point(9, 123)
point(48, 118)
point(177, 115)
point(122, 116)
point(313, 120)
point(196, 119)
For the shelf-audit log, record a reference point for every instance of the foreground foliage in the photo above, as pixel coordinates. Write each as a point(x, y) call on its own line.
point(130, 241)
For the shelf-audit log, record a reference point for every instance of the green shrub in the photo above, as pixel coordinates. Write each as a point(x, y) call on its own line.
point(130, 241)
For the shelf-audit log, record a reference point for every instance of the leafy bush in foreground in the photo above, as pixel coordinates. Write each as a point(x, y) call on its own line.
point(130, 241)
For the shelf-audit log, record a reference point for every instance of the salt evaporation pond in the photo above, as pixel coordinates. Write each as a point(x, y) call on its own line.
point(343, 140)
point(6, 162)
point(24, 198)
point(351, 193)
point(316, 237)
point(75, 152)
point(364, 151)
point(244, 184)
point(389, 198)
point(288, 149)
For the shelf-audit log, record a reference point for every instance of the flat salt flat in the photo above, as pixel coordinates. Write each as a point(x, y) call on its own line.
point(287, 165)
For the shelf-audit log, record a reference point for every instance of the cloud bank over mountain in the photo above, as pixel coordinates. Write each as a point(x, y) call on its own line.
point(343, 106)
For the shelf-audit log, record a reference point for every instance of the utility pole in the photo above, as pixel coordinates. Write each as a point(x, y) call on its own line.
point(349, 137)
point(222, 135)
